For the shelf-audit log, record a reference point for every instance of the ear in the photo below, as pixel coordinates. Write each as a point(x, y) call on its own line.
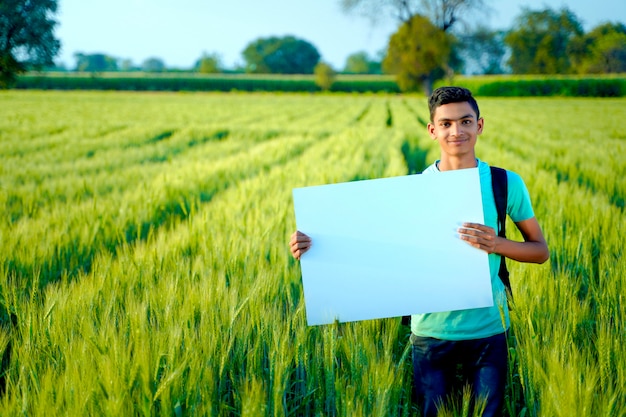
point(481, 125)
point(431, 130)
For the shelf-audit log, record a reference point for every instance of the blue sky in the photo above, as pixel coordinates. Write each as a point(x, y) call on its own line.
point(180, 31)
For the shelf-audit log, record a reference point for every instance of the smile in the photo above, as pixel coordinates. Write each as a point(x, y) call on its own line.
point(457, 141)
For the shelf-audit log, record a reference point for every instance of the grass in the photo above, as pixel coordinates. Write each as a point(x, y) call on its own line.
point(145, 265)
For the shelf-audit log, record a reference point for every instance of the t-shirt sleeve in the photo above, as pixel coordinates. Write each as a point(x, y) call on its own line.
point(519, 206)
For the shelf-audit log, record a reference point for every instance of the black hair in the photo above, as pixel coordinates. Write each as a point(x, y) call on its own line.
point(446, 95)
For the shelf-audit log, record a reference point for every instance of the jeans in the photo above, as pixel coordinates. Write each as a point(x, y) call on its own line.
point(482, 362)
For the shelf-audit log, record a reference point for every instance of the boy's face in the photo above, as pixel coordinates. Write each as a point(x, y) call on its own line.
point(456, 129)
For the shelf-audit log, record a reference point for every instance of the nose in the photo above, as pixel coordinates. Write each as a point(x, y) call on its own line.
point(455, 129)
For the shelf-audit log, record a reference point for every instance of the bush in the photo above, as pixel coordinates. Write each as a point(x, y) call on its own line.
point(324, 76)
point(187, 82)
point(496, 86)
point(541, 87)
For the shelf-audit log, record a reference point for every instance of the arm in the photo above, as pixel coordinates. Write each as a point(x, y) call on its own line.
point(533, 249)
point(299, 244)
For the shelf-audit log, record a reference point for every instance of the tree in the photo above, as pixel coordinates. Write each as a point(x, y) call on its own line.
point(95, 62)
point(209, 64)
point(601, 51)
point(126, 64)
point(418, 54)
point(357, 63)
point(360, 63)
point(442, 13)
point(540, 43)
point(153, 65)
point(324, 76)
point(26, 37)
point(483, 51)
point(286, 55)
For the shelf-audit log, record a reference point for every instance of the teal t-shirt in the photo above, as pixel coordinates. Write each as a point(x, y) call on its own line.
point(480, 322)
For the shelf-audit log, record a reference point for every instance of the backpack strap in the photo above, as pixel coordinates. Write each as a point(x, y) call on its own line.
point(500, 187)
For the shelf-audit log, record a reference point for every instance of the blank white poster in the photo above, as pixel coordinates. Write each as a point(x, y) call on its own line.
point(389, 247)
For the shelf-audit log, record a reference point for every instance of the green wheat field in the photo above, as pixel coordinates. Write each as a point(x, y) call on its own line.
point(145, 269)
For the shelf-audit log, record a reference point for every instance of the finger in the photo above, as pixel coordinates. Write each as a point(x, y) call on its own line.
point(472, 225)
point(473, 232)
point(477, 229)
point(486, 245)
point(478, 226)
point(300, 245)
point(470, 239)
point(297, 253)
point(482, 241)
point(303, 244)
point(298, 248)
point(298, 236)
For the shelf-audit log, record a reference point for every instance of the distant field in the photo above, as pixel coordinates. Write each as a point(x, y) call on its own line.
point(612, 85)
point(145, 268)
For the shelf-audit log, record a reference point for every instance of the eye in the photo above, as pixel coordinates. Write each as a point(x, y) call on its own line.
point(467, 122)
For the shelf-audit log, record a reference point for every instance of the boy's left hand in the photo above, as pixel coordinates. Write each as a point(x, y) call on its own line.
point(479, 236)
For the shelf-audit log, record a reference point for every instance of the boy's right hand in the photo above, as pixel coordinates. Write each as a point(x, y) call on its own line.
point(299, 244)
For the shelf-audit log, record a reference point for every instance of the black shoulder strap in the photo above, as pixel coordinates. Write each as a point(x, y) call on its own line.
point(500, 187)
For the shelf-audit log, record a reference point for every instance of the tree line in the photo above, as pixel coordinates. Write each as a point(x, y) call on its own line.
point(428, 45)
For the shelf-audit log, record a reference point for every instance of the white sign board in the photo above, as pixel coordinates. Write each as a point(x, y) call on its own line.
point(389, 247)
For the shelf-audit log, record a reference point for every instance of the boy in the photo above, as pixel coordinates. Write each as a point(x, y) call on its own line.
point(473, 339)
